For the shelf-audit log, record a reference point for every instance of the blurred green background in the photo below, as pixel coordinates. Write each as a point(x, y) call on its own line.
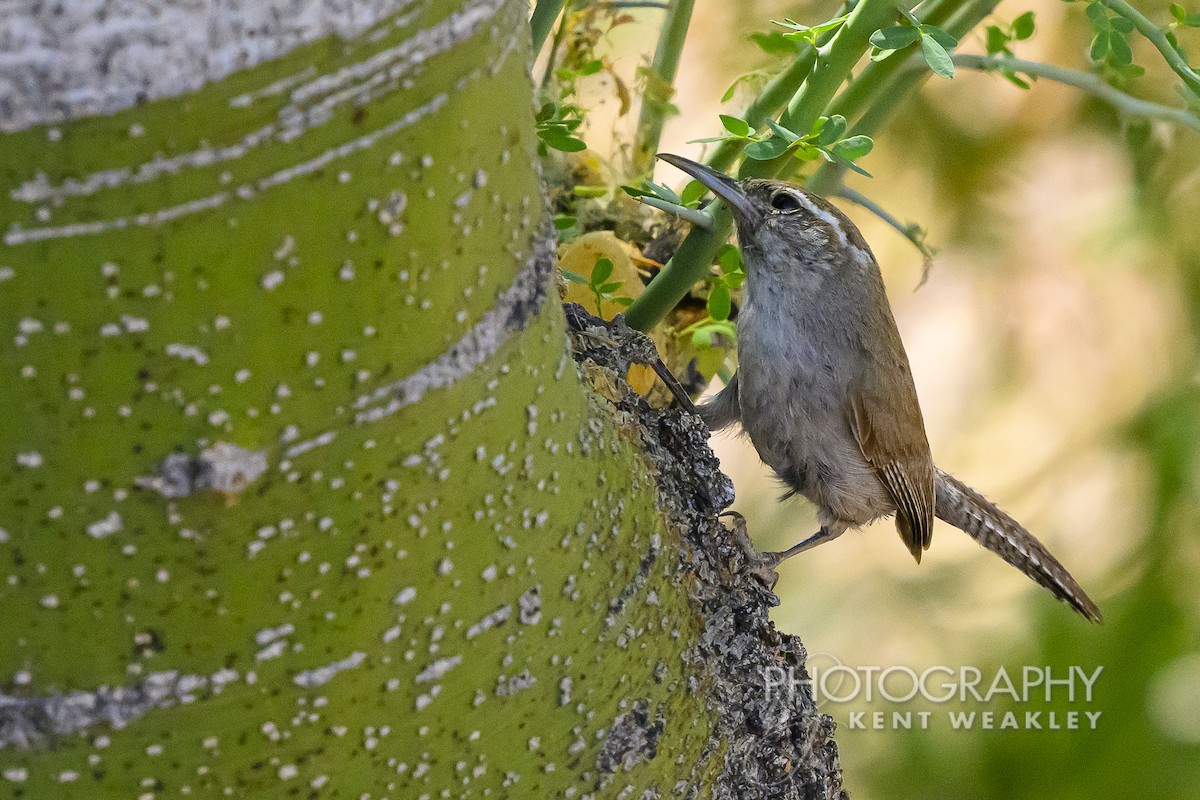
point(1055, 353)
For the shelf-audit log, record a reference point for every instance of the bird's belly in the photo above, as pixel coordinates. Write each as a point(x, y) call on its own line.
point(797, 421)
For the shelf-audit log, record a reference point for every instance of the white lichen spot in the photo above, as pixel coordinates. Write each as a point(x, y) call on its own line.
point(311, 678)
point(105, 527)
point(272, 280)
point(185, 351)
point(30, 460)
point(405, 596)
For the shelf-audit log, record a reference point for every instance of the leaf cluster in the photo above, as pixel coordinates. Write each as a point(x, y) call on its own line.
point(935, 43)
point(602, 288)
point(729, 277)
point(998, 38)
point(556, 127)
point(825, 139)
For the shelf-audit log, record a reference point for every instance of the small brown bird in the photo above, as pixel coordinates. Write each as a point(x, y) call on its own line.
point(824, 390)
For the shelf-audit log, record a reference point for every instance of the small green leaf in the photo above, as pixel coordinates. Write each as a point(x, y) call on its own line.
point(546, 112)
point(692, 193)
point(589, 191)
point(663, 192)
point(997, 40)
point(1023, 26)
point(702, 338)
point(894, 38)
point(782, 132)
point(573, 277)
point(735, 279)
point(600, 272)
point(719, 304)
point(1178, 12)
point(559, 139)
point(1099, 48)
point(1192, 21)
point(1120, 53)
point(908, 15)
point(853, 147)
point(774, 43)
point(947, 41)
point(832, 130)
point(807, 152)
point(1123, 25)
point(564, 222)
point(609, 288)
point(623, 301)
point(850, 165)
point(735, 125)
point(936, 57)
point(634, 191)
point(766, 149)
point(729, 258)
point(1098, 16)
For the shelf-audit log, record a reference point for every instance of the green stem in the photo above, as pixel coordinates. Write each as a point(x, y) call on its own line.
point(1159, 40)
point(544, 14)
point(834, 62)
point(856, 94)
point(777, 92)
point(700, 219)
point(891, 93)
point(663, 69)
point(560, 33)
point(1081, 80)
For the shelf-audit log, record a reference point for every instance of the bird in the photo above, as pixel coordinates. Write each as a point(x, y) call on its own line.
point(824, 389)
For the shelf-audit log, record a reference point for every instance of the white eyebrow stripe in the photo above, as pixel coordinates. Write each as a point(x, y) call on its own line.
point(824, 216)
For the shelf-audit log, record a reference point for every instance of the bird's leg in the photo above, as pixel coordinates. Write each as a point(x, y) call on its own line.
point(826, 534)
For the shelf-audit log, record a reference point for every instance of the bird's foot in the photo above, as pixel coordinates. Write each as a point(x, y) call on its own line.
point(758, 564)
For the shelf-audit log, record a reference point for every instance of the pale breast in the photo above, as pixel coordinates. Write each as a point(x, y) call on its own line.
point(793, 398)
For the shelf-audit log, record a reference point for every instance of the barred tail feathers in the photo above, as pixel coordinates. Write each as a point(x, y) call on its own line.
point(971, 512)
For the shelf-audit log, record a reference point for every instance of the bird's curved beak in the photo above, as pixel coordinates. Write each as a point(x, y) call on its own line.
point(719, 183)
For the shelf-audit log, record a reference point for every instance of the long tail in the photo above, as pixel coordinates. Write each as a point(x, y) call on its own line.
point(971, 512)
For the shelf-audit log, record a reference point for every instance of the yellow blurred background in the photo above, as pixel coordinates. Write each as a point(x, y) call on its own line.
point(1054, 349)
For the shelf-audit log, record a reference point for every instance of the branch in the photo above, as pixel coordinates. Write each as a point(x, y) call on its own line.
point(698, 218)
point(544, 14)
point(1159, 39)
point(664, 67)
point(1081, 80)
point(891, 93)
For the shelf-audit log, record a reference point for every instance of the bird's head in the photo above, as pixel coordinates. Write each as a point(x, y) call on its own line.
point(780, 225)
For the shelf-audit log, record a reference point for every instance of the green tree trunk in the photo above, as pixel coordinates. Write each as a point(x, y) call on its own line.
point(302, 492)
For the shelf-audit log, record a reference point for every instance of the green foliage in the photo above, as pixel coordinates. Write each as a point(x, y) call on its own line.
point(730, 276)
point(602, 288)
point(824, 140)
point(1180, 17)
point(1110, 45)
point(998, 37)
point(648, 188)
point(934, 42)
point(810, 34)
point(556, 126)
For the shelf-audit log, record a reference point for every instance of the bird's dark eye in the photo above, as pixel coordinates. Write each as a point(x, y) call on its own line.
point(785, 201)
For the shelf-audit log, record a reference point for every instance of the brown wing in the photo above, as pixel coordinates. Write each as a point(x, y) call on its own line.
point(898, 452)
